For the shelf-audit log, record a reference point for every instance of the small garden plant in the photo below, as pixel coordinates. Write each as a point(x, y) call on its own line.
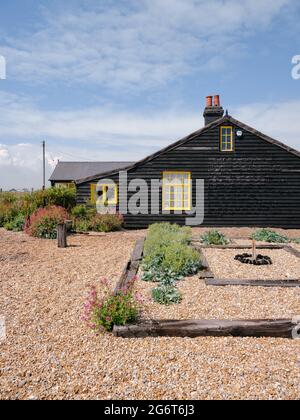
point(168, 253)
point(166, 295)
point(103, 312)
point(214, 237)
point(297, 241)
point(267, 235)
point(168, 259)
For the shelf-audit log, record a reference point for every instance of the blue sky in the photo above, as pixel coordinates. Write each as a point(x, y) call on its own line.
point(117, 80)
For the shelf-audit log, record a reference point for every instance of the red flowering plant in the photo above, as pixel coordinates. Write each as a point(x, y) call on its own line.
point(43, 223)
point(103, 312)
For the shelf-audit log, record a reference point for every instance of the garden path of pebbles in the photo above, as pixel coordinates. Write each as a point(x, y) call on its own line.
point(49, 353)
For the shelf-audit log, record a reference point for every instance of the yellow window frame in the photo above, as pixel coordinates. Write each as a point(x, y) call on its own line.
point(167, 186)
point(105, 200)
point(231, 149)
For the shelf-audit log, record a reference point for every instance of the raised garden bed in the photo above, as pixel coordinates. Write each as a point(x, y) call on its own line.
point(223, 269)
point(206, 311)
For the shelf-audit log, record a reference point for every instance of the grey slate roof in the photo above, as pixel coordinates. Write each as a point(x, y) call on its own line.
point(72, 171)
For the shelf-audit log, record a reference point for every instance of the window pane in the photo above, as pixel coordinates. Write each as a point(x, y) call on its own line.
point(176, 190)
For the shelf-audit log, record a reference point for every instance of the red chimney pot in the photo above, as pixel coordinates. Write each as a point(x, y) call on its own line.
point(209, 101)
point(217, 100)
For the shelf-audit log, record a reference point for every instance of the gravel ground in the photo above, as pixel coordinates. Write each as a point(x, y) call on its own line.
point(245, 232)
point(49, 354)
point(222, 263)
point(209, 302)
point(296, 246)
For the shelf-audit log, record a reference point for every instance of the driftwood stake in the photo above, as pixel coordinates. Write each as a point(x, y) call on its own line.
point(254, 253)
point(62, 235)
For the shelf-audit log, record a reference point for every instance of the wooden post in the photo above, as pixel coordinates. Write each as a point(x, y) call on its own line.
point(62, 235)
point(254, 253)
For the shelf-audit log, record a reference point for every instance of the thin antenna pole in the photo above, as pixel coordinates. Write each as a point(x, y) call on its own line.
point(44, 164)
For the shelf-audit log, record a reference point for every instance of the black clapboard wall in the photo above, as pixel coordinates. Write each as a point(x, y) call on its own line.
point(256, 185)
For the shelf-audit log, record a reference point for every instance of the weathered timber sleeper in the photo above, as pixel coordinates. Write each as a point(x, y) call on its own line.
point(253, 283)
point(282, 328)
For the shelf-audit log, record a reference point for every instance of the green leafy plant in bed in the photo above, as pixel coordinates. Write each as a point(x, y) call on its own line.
point(214, 237)
point(297, 241)
point(267, 235)
point(166, 295)
point(168, 253)
point(168, 259)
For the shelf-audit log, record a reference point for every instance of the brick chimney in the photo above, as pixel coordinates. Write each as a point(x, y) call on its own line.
point(213, 110)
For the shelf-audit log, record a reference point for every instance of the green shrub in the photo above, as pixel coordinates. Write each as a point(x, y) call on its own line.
point(267, 235)
point(168, 254)
point(161, 235)
point(111, 309)
point(82, 226)
point(17, 224)
point(80, 212)
point(106, 222)
point(8, 212)
point(8, 198)
point(43, 223)
point(213, 237)
point(166, 295)
point(61, 197)
point(297, 241)
point(181, 259)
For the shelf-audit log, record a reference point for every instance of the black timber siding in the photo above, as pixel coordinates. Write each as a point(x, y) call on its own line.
point(256, 185)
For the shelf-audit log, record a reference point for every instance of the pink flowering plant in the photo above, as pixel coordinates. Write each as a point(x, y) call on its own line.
point(103, 312)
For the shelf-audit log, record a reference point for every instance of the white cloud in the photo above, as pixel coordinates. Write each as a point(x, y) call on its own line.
point(106, 134)
point(279, 120)
point(141, 43)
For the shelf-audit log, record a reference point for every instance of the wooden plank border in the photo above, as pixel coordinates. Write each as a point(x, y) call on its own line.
point(253, 283)
point(132, 267)
point(282, 328)
point(210, 280)
point(292, 251)
point(237, 246)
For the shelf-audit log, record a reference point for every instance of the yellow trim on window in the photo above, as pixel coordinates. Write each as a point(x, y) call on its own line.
point(113, 201)
point(93, 193)
point(185, 185)
point(227, 145)
point(105, 200)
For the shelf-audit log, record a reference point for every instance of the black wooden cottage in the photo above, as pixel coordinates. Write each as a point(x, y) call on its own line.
point(249, 178)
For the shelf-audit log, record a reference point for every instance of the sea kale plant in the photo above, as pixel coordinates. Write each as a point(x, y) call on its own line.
point(267, 235)
point(166, 295)
point(214, 237)
point(104, 310)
